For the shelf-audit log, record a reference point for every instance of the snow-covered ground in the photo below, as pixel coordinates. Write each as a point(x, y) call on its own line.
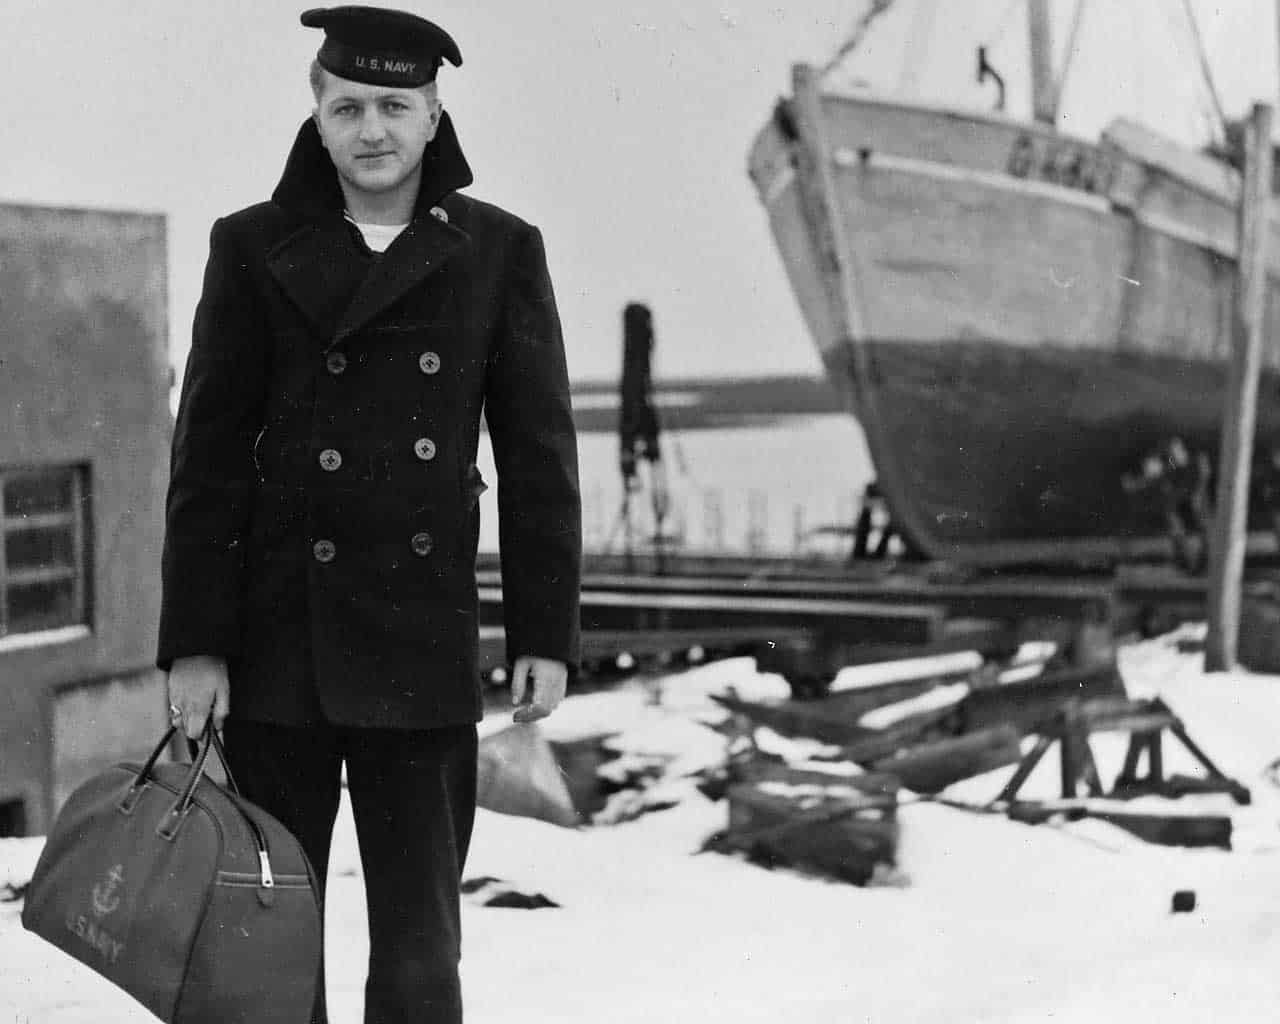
point(997, 921)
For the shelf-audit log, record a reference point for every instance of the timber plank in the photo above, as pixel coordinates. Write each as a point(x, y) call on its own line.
point(1195, 830)
point(931, 767)
point(807, 719)
point(1032, 704)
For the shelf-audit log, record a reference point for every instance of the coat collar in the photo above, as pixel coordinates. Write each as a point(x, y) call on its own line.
point(309, 184)
point(322, 269)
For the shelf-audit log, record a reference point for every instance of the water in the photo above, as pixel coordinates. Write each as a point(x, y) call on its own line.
point(743, 489)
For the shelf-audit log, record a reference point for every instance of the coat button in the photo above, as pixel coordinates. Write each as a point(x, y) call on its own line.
point(429, 362)
point(424, 448)
point(324, 550)
point(421, 544)
point(336, 362)
point(330, 460)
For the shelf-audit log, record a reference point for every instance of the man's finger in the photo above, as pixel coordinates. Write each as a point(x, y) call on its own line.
point(530, 713)
point(221, 705)
point(519, 680)
point(194, 725)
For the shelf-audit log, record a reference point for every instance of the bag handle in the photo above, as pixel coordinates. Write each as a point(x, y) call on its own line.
point(199, 756)
point(193, 750)
point(168, 827)
point(130, 798)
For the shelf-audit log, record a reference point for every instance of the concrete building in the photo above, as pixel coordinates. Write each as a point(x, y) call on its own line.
point(84, 377)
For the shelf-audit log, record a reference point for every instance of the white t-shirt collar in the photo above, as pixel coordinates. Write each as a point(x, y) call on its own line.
point(377, 236)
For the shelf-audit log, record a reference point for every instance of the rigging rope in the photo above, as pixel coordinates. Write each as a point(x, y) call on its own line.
point(1077, 20)
point(1206, 73)
point(858, 32)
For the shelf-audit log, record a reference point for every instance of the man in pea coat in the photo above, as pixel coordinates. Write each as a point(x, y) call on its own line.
point(322, 523)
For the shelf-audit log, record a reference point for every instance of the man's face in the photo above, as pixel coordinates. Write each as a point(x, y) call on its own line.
point(375, 134)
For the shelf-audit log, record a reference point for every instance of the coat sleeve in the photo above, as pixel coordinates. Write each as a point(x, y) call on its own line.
point(212, 474)
point(535, 448)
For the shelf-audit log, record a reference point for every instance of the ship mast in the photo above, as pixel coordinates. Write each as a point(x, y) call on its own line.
point(1044, 93)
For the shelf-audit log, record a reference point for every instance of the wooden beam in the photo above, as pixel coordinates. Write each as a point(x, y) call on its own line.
point(1044, 98)
point(1227, 542)
point(931, 767)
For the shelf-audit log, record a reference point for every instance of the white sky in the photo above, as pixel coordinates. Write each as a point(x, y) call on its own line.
point(621, 130)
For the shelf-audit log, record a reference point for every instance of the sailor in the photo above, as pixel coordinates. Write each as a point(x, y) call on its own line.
point(638, 427)
point(319, 593)
point(1179, 481)
point(1266, 487)
point(1187, 503)
point(875, 509)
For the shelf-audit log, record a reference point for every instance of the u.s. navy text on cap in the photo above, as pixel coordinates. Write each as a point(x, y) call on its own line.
point(381, 46)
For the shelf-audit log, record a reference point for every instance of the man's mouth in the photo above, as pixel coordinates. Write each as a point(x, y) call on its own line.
point(371, 156)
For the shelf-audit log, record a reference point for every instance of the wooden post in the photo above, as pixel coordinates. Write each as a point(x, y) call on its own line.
point(1044, 99)
point(1229, 532)
point(757, 518)
point(713, 521)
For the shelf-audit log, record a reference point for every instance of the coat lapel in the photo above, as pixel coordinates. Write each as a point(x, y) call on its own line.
point(320, 269)
point(422, 249)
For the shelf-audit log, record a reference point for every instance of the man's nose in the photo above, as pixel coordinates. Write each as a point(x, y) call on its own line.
point(371, 127)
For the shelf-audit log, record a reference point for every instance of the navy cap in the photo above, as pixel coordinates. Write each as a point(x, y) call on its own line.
point(381, 46)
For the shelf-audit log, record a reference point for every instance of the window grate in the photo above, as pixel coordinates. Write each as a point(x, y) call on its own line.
point(44, 512)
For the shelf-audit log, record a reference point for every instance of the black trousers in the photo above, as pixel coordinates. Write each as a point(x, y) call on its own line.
point(413, 794)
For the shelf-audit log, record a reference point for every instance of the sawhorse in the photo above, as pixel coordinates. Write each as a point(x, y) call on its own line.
point(1146, 721)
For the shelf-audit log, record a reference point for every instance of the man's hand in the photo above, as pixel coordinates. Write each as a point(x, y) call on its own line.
point(549, 679)
point(197, 687)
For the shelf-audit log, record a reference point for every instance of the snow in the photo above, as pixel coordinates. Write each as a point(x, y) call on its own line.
point(999, 922)
point(935, 700)
point(857, 676)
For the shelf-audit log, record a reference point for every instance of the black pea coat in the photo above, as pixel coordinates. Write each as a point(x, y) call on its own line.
point(322, 516)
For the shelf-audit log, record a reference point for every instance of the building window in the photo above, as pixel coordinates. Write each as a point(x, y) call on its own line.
point(44, 565)
point(13, 819)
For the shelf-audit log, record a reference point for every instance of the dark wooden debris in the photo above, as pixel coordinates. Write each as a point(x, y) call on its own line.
point(928, 750)
point(1194, 830)
point(912, 731)
point(808, 719)
point(878, 788)
point(10, 893)
point(513, 898)
point(1173, 829)
point(932, 767)
point(1031, 704)
point(488, 891)
point(856, 702)
point(822, 827)
point(1146, 721)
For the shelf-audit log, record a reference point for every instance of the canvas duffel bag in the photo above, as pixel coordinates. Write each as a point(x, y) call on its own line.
point(197, 903)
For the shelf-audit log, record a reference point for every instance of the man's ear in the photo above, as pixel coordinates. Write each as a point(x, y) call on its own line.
point(434, 111)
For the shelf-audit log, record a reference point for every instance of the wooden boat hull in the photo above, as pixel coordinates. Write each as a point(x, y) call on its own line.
point(1012, 345)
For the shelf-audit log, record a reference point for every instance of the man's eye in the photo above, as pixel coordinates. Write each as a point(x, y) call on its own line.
point(396, 107)
point(345, 110)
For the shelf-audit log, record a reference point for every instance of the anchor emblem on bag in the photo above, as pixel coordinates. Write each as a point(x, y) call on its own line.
point(105, 900)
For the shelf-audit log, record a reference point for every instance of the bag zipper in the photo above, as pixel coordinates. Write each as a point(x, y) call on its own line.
point(249, 880)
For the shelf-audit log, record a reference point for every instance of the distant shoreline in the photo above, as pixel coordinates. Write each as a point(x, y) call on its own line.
point(707, 403)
